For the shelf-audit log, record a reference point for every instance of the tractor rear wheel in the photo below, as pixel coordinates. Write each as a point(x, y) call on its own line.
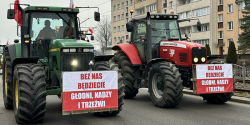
point(112, 66)
point(218, 98)
point(165, 84)
point(7, 81)
point(29, 93)
point(129, 73)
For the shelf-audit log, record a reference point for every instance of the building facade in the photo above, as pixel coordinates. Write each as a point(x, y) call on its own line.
point(194, 10)
point(228, 22)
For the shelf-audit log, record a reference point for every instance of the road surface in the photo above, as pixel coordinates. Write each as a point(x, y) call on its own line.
point(141, 111)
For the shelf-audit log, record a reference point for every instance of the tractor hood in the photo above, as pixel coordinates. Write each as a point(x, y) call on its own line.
point(62, 43)
point(181, 52)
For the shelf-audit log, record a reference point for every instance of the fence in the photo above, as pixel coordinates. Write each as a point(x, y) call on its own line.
point(240, 56)
point(242, 71)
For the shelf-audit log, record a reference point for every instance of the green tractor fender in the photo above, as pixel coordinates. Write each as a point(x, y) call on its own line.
point(15, 55)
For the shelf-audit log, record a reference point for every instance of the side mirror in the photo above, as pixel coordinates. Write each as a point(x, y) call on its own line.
point(199, 26)
point(97, 16)
point(11, 14)
point(92, 38)
point(129, 27)
point(16, 41)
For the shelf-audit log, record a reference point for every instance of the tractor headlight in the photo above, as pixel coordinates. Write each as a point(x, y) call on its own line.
point(86, 50)
point(91, 50)
point(72, 50)
point(74, 63)
point(91, 63)
point(65, 50)
point(203, 59)
point(195, 59)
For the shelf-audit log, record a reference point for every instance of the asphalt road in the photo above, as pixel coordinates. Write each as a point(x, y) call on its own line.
point(141, 111)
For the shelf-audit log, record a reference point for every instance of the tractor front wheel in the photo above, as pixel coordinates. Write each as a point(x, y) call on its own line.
point(130, 74)
point(165, 84)
point(29, 93)
point(217, 98)
point(7, 81)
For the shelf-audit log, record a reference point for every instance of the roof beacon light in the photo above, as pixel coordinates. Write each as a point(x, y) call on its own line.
point(157, 16)
point(131, 11)
point(26, 41)
point(84, 32)
point(172, 12)
point(170, 16)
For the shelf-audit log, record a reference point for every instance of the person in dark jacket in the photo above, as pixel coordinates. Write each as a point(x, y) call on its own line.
point(47, 32)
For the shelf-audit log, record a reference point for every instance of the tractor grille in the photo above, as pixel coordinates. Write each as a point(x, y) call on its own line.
point(183, 57)
point(81, 58)
point(199, 53)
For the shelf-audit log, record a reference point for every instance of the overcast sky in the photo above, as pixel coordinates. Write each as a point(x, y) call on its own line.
point(8, 27)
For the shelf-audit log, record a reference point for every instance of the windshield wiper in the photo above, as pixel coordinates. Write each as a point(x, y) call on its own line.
point(64, 20)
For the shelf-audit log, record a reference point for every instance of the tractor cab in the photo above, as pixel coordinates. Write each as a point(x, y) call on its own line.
point(162, 27)
point(47, 26)
point(52, 35)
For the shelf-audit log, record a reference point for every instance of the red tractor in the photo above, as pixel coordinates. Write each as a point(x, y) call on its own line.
point(158, 56)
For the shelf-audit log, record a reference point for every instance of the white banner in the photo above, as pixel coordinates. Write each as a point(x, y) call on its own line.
point(89, 80)
point(211, 71)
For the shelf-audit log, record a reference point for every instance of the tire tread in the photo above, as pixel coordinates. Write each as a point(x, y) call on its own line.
point(32, 99)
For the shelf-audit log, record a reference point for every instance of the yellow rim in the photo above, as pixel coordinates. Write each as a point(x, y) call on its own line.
point(16, 95)
point(5, 76)
point(53, 50)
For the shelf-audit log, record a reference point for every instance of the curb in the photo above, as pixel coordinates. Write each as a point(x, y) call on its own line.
point(240, 99)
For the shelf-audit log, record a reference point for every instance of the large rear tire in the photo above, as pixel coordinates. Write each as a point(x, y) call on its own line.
point(29, 93)
point(112, 66)
point(129, 73)
point(165, 84)
point(217, 98)
point(7, 81)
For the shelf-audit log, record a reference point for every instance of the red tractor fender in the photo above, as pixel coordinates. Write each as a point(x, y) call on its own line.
point(130, 51)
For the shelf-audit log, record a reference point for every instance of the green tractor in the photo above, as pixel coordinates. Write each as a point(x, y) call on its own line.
point(50, 44)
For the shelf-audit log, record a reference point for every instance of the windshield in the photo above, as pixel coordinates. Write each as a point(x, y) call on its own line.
point(48, 26)
point(164, 30)
point(52, 26)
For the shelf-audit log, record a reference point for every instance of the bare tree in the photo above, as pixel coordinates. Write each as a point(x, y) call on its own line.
point(103, 35)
